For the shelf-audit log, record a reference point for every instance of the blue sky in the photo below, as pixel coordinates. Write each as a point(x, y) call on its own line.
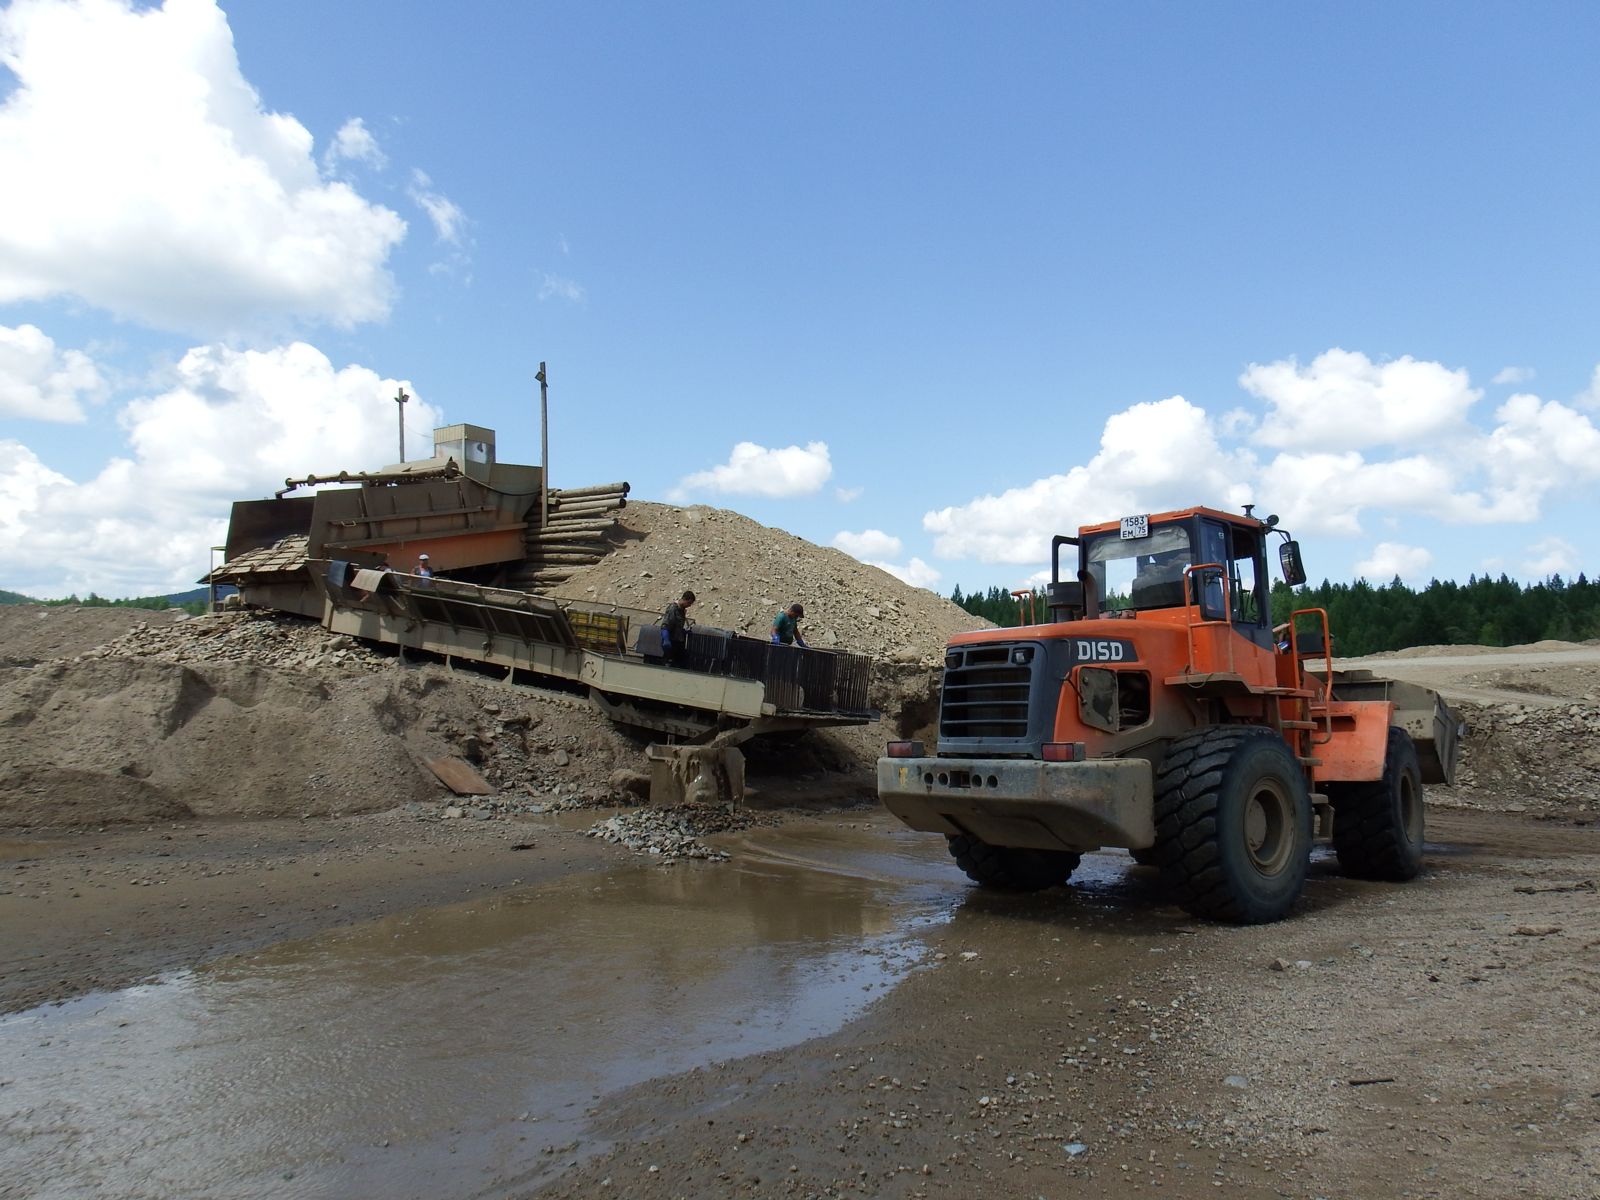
point(928, 283)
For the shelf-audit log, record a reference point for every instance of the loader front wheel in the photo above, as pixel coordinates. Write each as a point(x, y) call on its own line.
point(1233, 825)
point(1378, 826)
point(1012, 868)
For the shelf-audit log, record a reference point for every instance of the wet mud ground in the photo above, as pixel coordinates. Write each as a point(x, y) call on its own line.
point(380, 1006)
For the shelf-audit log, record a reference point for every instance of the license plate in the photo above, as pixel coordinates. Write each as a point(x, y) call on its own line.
point(1135, 527)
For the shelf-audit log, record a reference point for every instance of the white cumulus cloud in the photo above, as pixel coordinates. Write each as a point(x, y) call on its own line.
point(1152, 457)
point(157, 186)
point(1345, 401)
point(879, 549)
point(231, 425)
point(1429, 457)
point(354, 143)
point(1590, 396)
point(1389, 559)
point(869, 543)
point(753, 470)
point(1536, 447)
point(1328, 493)
point(915, 572)
point(1551, 556)
point(44, 383)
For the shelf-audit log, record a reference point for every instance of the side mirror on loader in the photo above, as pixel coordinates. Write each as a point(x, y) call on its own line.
point(1294, 572)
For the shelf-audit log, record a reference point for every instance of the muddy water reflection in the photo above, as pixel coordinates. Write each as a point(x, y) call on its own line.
point(440, 1052)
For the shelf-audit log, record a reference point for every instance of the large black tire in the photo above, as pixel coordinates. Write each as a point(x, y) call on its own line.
point(1233, 824)
point(1378, 827)
point(1011, 868)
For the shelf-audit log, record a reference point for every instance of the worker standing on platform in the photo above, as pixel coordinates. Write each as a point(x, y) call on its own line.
point(675, 630)
point(786, 626)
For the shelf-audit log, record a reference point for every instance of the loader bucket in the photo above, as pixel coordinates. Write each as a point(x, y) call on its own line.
point(695, 774)
point(1433, 726)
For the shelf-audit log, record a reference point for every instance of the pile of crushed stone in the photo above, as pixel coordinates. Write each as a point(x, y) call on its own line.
point(278, 640)
point(266, 715)
point(743, 572)
point(1542, 759)
point(672, 833)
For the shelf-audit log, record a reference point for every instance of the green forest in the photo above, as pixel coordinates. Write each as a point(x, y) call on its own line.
point(1365, 619)
point(156, 603)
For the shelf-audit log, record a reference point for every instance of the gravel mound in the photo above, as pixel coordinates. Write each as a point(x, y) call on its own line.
point(672, 833)
point(36, 633)
point(744, 572)
point(1529, 758)
point(1548, 646)
point(268, 716)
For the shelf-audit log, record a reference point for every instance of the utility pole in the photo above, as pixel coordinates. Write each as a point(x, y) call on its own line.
point(400, 405)
point(544, 448)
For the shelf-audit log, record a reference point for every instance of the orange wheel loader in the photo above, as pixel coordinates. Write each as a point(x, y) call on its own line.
point(1160, 710)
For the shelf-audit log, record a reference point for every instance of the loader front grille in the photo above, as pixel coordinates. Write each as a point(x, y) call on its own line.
point(986, 692)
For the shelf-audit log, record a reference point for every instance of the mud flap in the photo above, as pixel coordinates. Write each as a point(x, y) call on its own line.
point(695, 774)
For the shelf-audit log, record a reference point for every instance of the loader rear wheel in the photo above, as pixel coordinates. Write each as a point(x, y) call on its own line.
point(1012, 868)
point(1233, 825)
point(1378, 826)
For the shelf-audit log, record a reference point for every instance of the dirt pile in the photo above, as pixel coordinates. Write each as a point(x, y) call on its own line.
point(744, 572)
point(1529, 758)
point(1532, 715)
point(1548, 646)
point(36, 633)
point(256, 715)
point(264, 715)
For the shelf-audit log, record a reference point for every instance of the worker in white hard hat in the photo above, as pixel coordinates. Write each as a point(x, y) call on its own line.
point(423, 568)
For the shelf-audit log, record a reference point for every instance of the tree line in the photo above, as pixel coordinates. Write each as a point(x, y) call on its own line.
point(154, 603)
point(1365, 619)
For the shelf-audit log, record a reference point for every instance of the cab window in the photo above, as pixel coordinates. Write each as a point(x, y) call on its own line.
point(1140, 573)
point(1245, 581)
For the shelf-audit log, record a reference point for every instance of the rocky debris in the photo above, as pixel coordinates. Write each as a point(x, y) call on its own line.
point(1542, 759)
point(276, 640)
point(744, 572)
point(672, 833)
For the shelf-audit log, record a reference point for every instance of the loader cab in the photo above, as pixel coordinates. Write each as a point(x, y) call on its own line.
point(1142, 564)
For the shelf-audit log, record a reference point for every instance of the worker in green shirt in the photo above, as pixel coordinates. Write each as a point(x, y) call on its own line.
point(786, 626)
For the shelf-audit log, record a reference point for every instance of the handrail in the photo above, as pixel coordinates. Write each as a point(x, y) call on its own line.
point(1327, 649)
point(1024, 598)
point(1227, 608)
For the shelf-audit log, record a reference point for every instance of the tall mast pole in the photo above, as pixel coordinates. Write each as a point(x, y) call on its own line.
point(544, 448)
point(400, 406)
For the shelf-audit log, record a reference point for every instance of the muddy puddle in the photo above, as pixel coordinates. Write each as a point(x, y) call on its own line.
point(441, 1052)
